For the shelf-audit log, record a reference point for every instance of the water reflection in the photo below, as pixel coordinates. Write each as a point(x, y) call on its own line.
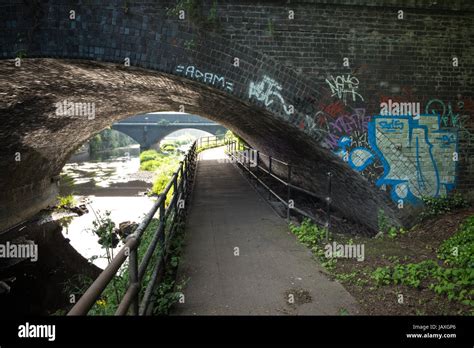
point(108, 181)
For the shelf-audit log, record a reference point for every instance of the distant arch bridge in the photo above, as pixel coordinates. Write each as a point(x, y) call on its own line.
point(150, 129)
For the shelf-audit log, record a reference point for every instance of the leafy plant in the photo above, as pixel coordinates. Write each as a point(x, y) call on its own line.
point(382, 221)
point(66, 201)
point(452, 274)
point(441, 205)
point(312, 236)
point(308, 233)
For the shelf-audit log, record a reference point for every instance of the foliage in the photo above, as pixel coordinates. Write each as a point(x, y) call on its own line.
point(313, 236)
point(66, 201)
point(169, 291)
point(458, 250)
point(382, 221)
point(108, 303)
point(149, 155)
point(104, 228)
point(164, 166)
point(452, 274)
point(308, 233)
point(109, 139)
point(386, 228)
point(441, 205)
point(168, 147)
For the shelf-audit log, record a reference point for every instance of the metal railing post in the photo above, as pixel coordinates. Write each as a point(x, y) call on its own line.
point(133, 278)
point(162, 239)
point(175, 191)
point(328, 207)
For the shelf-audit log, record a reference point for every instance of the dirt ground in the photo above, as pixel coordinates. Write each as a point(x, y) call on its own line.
point(417, 245)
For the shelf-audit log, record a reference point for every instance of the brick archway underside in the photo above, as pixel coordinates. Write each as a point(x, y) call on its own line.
point(44, 140)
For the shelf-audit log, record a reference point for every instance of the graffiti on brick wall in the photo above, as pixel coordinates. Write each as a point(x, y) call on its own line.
point(345, 87)
point(353, 124)
point(209, 78)
point(455, 115)
point(450, 116)
point(268, 91)
point(416, 155)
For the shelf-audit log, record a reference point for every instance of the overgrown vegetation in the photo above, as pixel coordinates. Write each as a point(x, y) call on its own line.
point(166, 294)
point(169, 291)
point(452, 274)
point(109, 139)
point(441, 205)
point(314, 237)
point(445, 278)
point(385, 228)
point(164, 166)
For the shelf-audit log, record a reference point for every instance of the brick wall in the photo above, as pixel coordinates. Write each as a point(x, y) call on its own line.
point(311, 107)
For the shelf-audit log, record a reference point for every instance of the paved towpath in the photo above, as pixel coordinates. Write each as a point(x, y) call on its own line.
point(226, 213)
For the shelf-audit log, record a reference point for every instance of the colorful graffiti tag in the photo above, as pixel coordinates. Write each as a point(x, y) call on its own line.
point(417, 156)
point(353, 124)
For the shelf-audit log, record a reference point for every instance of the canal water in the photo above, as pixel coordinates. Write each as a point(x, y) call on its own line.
point(109, 182)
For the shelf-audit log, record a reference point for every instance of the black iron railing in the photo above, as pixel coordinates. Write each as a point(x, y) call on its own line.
point(251, 161)
point(210, 142)
point(169, 219)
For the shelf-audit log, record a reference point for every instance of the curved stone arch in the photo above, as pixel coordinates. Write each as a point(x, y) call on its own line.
point(203, 71)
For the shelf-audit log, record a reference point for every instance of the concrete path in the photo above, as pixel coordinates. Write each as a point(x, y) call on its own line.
point(271, 267)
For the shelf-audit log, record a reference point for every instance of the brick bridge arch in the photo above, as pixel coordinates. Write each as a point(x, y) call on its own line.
point(172, 65)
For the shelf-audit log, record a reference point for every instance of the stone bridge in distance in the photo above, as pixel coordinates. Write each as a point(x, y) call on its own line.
point(150, 129)
point(301, 81)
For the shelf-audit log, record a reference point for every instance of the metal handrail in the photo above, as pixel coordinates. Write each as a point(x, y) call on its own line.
point(180, 181)
point(208, 141)
point(232, 151)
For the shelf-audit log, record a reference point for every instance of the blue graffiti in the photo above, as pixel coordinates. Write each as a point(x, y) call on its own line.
point(358, 158)
point(416, 155)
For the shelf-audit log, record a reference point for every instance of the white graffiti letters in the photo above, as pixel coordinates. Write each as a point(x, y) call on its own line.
point(267, 91)
point(208, 78)
point(341, 86)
